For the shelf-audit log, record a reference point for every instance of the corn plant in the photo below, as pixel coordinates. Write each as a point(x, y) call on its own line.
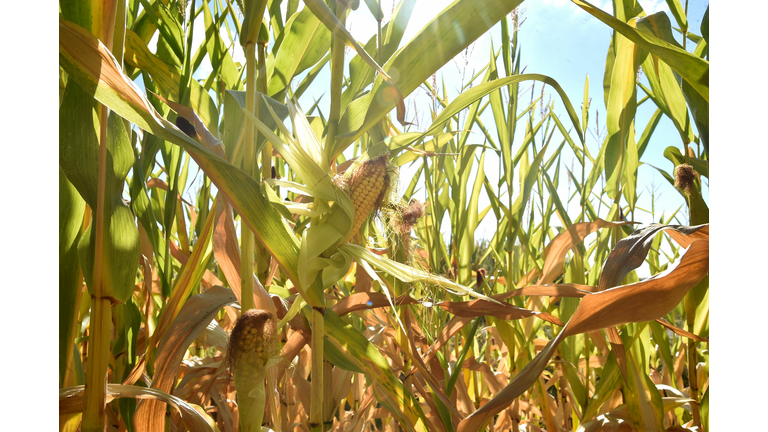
point(306, 286)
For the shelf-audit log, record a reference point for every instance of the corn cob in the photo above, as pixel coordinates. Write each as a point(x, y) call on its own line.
point(253, 348)
point(368, 186)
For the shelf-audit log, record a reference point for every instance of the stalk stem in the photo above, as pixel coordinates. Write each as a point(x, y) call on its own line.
point(94, 409)
point(316, 404)
point(95, 394)
point(266, 152)
point(693, 383)
point(249, 142)
point(262, 255)
point(586, 373)
point(337, 77)
point(328, 406)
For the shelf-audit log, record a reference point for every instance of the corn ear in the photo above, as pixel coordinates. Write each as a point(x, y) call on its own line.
point(253, 347)
point(368, 185)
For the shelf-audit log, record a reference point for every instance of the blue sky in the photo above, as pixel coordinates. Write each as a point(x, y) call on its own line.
point(557, 39)
point(562, 41)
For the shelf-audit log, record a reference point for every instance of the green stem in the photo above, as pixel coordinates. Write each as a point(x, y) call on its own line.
point(692, 381)
point(586, 373)
point(328, 406)
point(95, 395)
point(316, 404)
point(246, 235)
point(94, 411)
point(379, 51)
point(337, 75)
point(262, 255)
point(266, 152)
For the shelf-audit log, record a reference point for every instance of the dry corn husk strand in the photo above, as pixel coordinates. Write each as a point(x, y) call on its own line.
point(254, 347)
point(369, 185)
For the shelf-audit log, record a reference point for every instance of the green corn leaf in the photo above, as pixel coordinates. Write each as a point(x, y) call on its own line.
point(645, 138)
point(167, 78)
point(364, 356)
point(71, 212)
point(446, 35)
point(91, 65)
point(78, 159)
point(479, 91)
point(306, 41)
point(663, 81)
point(327, 17)
point(609, 381)
point(375, 8)
point(643, 400)
point(406, 273)
point(679, 13)
point(693, 69)
point(221, 60)
point(622, 104)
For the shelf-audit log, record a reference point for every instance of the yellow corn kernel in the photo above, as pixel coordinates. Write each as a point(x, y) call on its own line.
point(254, 338)
point(367, 186)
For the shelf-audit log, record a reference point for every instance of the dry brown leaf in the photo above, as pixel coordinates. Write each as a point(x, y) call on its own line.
point(303, 391)
point(556, 250)
point(434, 422)
point(183, 286)
point(539, 344)
point(154, 182)
point(595, 361)
point(411, 353)
point(628, 255)
point(363, 413)
point(368, 300)
point(679, 365)
point(642, 301)
point(598, 339)
point(227, 254)
point(639, 302)
point(136, 371)
point(195, 385)
point(463, 401)
point(342, 167)
point(528, 278)
point(614, 421)
point(556, 290)
point(680, 331)
point(505, 311)
point(614, 401)
point(203, 134)
point(684, 239)
point(292, 348)
point(209, 279)
point(191, 320)
point(493, 382)
point(617, 346)
point(224, 417)
point(454, 325)
point(630, 252)
point(71, 401)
